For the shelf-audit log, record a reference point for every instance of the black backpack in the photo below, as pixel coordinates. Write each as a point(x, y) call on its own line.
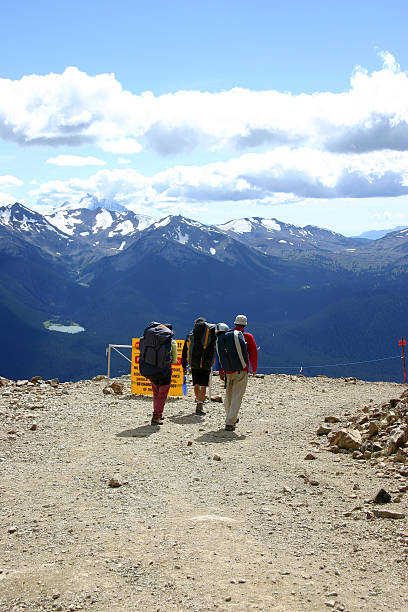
point(201, 346)
point(155, 350)
point(232, 351)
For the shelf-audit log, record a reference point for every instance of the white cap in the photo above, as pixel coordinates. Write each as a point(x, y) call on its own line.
point(240, 320)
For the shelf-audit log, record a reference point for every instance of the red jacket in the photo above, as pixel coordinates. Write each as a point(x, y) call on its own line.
point(252, 350)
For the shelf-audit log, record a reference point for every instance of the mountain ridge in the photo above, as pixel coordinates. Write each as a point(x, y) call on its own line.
point(322, 299)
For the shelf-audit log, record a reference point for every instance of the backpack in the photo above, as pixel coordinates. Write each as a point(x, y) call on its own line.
point(232, 351)
point(155, 350)
point(201, 346)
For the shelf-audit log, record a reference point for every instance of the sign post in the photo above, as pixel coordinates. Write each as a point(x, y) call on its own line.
point(403, 343)
point(142, 386)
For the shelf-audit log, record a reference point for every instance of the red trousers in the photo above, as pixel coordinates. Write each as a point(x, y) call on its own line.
point(160, 393)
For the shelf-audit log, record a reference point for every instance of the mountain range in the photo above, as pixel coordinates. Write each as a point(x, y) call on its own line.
point(312, 296)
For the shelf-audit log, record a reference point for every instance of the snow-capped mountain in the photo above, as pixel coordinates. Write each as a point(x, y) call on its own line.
point(99, 224)
point(274, 237)
point(202, 238)
point(32, 227)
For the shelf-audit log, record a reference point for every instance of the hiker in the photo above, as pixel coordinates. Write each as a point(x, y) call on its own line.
point(236, 349)
point(199, 353)
point(158, 351)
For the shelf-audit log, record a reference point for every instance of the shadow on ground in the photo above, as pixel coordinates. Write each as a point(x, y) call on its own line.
point(220, 436)
point(186, 419)
point(144, 431)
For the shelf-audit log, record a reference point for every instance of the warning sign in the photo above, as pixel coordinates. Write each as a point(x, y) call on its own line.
point(141, 385)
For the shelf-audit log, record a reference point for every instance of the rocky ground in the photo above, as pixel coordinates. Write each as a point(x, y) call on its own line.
point(267, 517)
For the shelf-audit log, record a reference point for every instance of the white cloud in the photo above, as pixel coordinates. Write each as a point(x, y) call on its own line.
point(6, 198)
point(74, 108)
point(123, 160)
point(75, 160)
point(278, 176)
point(9, 181)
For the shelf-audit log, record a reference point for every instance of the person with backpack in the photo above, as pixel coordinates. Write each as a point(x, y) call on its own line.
point(158, 351)
point(236, 350)
point(199, 354)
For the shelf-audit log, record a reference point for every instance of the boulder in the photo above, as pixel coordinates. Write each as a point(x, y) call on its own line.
point(349, 439)
point(398, 438)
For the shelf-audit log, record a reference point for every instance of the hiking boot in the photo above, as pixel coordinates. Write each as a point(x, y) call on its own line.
point(230, 428)
point(156, 420)
point(199, 409)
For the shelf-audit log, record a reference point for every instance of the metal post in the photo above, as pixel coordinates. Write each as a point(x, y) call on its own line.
point(109, 360)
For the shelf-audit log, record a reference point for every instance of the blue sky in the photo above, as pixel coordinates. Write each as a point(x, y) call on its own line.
point(293, 110)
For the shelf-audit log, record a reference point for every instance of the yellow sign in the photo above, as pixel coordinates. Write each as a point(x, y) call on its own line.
point(142, 386)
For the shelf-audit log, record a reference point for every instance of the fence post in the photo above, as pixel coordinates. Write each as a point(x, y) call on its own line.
point(109, 359)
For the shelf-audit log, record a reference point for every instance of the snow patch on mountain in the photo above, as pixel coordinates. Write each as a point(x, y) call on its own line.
point(182, 238)
point(124, 228)
point(63, 221)
point(103, 220)
point(271, 225)
point(240, 226)
point(162, 223)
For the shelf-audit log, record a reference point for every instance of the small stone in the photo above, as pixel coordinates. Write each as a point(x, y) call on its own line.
point(388, 514)
point(314, 483)
point(34, 426)
point(107, 391)
point(228, 599)
point(382, 497)
point(117, 387)
point(99, 377)
point(217, 398)
point(190, 443)
point(115, 482)
point(56, 595)
point(323, 431)
point(36, 379)
point(310, 457)
point(331, 419)
point(12, 529)
point(356, 487)
point(217, 458)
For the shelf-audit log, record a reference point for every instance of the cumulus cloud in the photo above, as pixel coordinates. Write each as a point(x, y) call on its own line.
point(277, 176)
point(75, 160)
point(74, 108)
point(7, 181)
point(6, 198)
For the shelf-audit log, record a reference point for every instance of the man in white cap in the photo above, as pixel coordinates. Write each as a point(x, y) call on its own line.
point(237, 380)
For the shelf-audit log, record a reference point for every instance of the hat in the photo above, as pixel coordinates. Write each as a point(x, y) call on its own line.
point(199, 320)
point(221, 327)
point(240, 320)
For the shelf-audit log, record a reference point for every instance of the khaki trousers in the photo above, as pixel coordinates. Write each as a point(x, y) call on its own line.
point(236, 385)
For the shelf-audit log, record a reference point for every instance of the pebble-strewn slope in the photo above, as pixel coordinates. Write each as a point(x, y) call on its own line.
point(204, 519)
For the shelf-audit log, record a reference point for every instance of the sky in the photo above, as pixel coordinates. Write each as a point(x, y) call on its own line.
point(215, 110)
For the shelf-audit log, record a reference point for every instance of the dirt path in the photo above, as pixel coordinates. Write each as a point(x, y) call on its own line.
point(261, 528)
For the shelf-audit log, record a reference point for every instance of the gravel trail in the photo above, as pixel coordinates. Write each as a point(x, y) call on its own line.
point(203, 519)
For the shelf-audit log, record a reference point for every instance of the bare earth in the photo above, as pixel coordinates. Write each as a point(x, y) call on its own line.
point(259, 527)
